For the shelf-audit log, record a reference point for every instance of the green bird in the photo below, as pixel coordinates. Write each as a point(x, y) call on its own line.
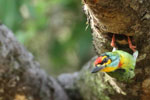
point(118, 64)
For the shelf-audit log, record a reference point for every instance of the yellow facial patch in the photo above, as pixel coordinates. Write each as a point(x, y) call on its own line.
point(108, 69)
point(108, 62)
point(104, 57)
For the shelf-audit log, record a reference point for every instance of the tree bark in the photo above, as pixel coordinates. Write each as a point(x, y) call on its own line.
point(123, 17)
point(21, 77)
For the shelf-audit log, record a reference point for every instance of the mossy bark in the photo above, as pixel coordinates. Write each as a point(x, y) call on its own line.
point(22, 79)
point(90, 86)
point(124, 18)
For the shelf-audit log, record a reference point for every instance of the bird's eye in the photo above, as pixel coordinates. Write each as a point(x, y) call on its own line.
point(105, 60)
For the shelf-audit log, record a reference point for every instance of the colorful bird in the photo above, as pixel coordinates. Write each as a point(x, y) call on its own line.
point(118, 64)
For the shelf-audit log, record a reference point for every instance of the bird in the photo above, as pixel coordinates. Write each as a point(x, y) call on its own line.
point(118, 64)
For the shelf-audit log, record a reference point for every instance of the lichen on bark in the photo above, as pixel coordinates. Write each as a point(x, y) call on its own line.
point(128, 18)
point(21, 77)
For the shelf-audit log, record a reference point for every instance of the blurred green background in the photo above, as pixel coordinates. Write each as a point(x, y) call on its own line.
point(53, 30)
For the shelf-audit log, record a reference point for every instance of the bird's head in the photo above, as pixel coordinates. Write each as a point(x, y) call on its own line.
point(101, 64)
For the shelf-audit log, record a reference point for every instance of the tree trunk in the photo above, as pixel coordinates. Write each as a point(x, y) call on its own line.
point(124, 18)
point(20, 75)
point(22, 79)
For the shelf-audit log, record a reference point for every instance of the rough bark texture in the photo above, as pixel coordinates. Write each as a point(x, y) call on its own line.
point(20, 75)
point(22, 79)
point(127, 18)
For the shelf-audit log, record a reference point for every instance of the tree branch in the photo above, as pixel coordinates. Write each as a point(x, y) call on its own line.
point(21, 77)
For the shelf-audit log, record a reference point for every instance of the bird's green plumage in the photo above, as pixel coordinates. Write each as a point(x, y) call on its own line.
point(126, 59)
point(124, 64)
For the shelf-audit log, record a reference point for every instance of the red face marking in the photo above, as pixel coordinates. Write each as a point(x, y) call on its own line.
point(98, 60)
point(120, 64)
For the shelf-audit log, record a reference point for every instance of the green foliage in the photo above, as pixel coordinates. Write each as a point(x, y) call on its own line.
point(53, 30)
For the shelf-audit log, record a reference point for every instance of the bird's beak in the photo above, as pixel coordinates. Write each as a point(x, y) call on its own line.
point(96, 69)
